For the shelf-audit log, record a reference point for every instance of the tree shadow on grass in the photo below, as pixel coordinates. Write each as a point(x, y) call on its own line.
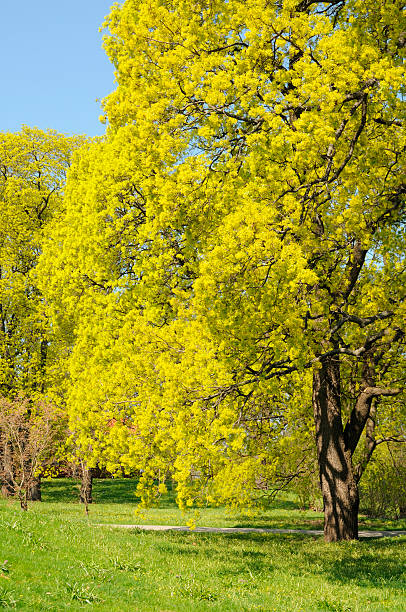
point(229, 561)
point(365, 564)
point(279, 514)
point(372, 563)
point(105, 491)
point(115, 491)
point(294, 522)
point(123, 491)
point(60, 490)
point(372, 569)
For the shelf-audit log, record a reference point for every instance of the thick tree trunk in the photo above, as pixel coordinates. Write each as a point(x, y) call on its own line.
point(7, 489)
point(337, 481)
point(34, 492)
point(6, 471)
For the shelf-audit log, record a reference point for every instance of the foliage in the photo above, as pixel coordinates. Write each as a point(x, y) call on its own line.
point(33, 168)
point(239, 232)
point(383, 489)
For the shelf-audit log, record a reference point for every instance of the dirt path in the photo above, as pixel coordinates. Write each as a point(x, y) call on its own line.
point(312, 532)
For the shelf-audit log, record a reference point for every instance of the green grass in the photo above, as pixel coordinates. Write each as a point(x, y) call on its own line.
point(115, 502)
point(53, 558)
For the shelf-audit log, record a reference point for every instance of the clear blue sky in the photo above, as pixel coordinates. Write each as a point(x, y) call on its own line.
point(52, 65)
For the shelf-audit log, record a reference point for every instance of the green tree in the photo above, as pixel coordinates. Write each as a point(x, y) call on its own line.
point(233, 253)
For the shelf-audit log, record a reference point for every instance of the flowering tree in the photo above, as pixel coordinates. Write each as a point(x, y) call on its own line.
point(33, 168)
point(233, 253)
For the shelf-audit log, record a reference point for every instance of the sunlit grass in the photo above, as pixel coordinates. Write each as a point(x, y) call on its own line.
point(53, 558)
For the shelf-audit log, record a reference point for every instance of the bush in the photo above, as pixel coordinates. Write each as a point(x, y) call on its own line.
point(383, 486)
point(31, 435)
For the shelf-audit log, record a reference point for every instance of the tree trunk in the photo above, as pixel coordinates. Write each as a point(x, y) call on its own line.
point(6, 470)
point(337, 481)
point(7, 489)
point(34, 492)
point(23, 500)
point(86, 486)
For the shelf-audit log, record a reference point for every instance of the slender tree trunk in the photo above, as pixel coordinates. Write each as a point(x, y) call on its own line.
point(337, 481)
point(23, 499)
point(86, 488)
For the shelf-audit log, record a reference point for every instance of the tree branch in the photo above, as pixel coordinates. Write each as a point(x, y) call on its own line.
point(360, 413)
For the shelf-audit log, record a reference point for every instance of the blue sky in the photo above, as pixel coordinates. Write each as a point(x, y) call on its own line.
point(52, 65)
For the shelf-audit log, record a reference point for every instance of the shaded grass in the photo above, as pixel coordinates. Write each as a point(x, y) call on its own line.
point(58, 560)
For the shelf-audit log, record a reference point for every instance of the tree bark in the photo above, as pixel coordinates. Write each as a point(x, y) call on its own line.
point(23, 500)
point(6, 470)
point(363, 415)
point(86, 487)
point(34, 492)
point(337, 481)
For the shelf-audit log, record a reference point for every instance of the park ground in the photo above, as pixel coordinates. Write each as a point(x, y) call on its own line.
point(55, 558)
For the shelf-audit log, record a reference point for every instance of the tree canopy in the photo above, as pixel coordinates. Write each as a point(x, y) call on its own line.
point(33, 167)
point(232, 254)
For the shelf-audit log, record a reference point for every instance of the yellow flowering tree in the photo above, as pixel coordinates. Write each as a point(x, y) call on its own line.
point(33, 167)
point(232, 255)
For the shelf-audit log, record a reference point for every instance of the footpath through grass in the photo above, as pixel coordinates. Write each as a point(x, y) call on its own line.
point(53, 558)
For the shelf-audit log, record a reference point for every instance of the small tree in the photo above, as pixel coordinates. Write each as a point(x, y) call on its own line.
point(30, 436)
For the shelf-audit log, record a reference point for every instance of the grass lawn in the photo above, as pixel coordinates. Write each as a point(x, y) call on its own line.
point(53, 558)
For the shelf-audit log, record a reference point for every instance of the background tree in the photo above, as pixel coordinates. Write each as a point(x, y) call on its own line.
point(32, 436)
point(33, 167)
point(33, 173)
point(233, 254)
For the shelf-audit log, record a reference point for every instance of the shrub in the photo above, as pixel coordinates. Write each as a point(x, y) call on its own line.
point(383, 486)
